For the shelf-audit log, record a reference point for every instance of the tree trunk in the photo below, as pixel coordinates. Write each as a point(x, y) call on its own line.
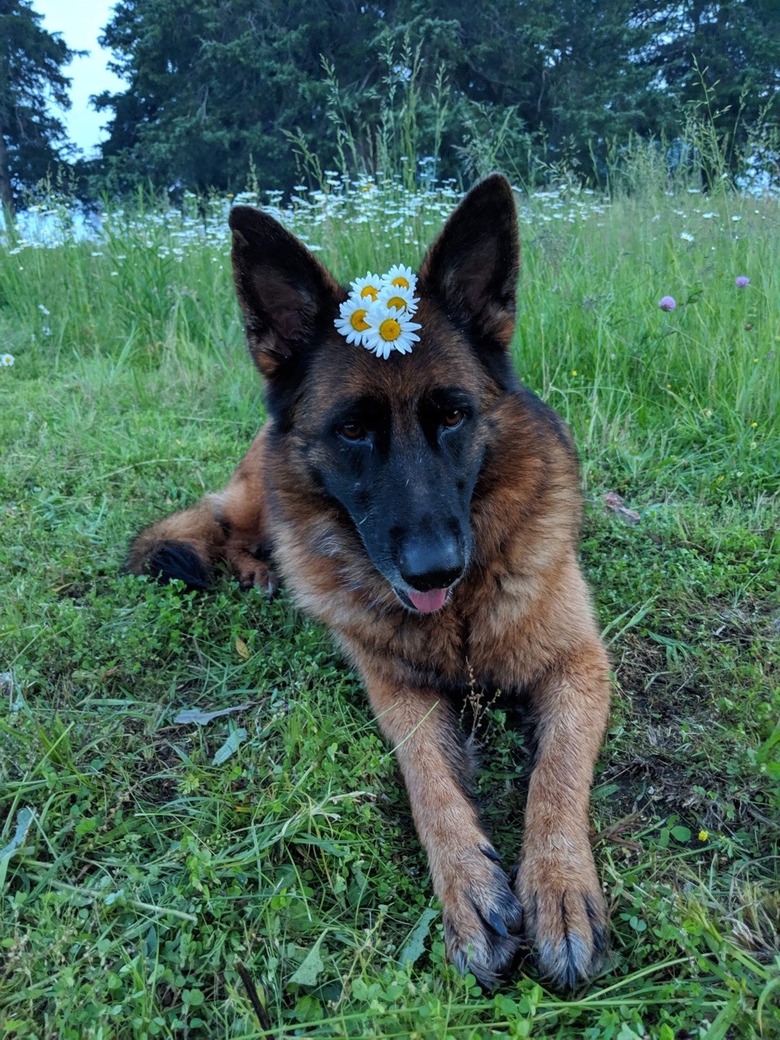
point(6, 195)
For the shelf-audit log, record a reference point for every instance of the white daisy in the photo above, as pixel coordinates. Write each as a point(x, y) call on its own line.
point(367, 288)
point(6, 360)
point(394, 297)
point(389, 330)
point(352, 321)
point(402, 277)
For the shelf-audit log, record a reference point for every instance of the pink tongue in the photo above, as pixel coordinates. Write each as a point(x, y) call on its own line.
point(427, 602)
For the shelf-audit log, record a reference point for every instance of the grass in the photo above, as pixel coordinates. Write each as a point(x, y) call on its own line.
point(145, 857)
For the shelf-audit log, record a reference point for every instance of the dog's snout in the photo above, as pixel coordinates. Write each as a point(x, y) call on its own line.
point(430, 562)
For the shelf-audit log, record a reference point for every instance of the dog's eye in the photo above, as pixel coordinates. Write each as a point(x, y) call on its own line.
point(452, 418)
point(352, 431)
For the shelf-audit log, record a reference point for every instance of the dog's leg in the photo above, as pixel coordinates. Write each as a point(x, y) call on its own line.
point(565, 919)
point(229, 525)
point(482, 917)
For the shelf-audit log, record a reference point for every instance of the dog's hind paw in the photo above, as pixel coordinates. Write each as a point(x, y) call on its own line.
point(169, 560)
point(482, 925)
point(254, 573)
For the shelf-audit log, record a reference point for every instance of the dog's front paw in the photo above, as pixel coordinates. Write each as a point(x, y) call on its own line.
point(482, 918)
point(565, 918)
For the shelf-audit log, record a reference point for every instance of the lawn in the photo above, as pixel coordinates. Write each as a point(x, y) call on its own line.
point(147, 854)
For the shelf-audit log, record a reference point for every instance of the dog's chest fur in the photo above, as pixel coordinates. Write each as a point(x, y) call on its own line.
point(494, 630)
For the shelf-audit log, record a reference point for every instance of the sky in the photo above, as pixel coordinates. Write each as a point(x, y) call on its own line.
point(80, 22)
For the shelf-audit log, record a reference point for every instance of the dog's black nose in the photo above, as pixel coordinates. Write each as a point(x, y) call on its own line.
point(428, 563)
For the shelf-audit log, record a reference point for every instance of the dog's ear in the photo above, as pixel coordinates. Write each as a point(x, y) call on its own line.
point(286, 295)
point(474, 264)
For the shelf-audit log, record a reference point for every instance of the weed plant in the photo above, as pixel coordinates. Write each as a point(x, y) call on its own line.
point(145, 854)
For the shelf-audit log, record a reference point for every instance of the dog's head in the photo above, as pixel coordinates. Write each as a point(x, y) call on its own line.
point(399, 442)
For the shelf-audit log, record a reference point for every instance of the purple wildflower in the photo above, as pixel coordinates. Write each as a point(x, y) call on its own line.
point(667, 303)
point(742, 281)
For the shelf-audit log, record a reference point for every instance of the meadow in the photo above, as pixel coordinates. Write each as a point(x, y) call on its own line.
point(193, 783)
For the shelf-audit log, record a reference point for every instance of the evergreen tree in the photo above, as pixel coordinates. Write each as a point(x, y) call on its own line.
point(212, 86)
point(31, 77)
point(215, 86)
point(720, 60)
point(567, 66)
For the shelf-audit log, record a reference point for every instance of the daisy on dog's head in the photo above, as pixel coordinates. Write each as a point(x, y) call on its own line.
point(401, 277)
point(351, 322)
point(378, 311)
point(396, 298)
point(389, 329)
point(367, 288)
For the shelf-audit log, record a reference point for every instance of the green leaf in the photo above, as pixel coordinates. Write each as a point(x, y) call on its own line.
point(229, 748)
point(24, 818)
point(309, 970)
point(202, 718)
point(415, 945)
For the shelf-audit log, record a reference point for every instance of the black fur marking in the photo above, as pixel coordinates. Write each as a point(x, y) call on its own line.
point(178, 560)
point(264, 551)
point(283, 393)
point(498, 926)
point(459, 755)
point(544, 414)
point(490, 852)
point(599, 935)
point(492, 951)
point(568, 963)
point(498, 363)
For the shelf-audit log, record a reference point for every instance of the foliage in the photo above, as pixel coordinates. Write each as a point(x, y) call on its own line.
point(216, 88)
point(31, 62)
point(212, 87)
point(729, 49)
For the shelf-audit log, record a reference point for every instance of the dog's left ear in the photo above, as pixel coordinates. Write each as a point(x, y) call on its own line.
point(474, 264)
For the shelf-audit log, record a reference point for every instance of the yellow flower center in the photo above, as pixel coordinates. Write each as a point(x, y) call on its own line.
point(389, 330)
point(369, 290)
point(357, 320)
point(401, 281)
point(398, 302)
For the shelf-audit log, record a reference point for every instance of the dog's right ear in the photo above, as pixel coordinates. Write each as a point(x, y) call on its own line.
point(474, 264)
point(287, 296)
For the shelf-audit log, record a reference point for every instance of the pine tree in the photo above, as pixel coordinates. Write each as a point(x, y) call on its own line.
point(212, 86)
point(31, 78)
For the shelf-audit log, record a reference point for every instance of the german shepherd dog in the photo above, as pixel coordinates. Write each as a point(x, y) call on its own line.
point(426, 507)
